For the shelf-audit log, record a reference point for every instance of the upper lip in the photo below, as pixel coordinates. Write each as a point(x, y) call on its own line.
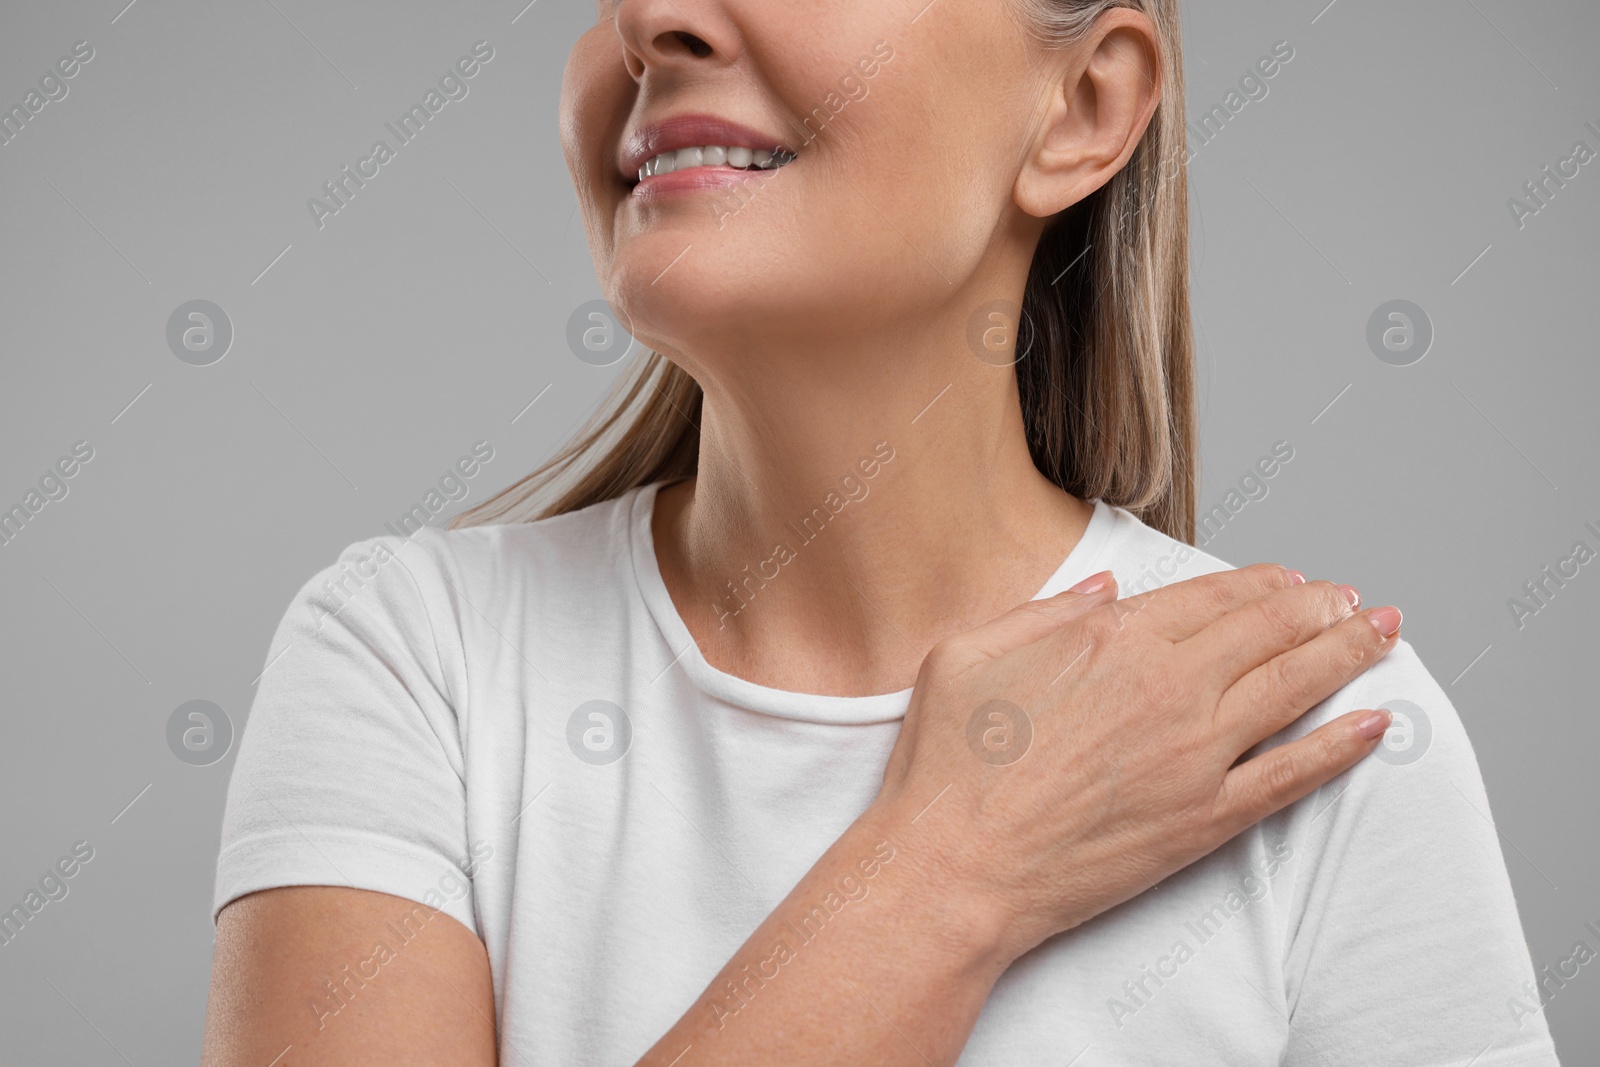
point(687, 131)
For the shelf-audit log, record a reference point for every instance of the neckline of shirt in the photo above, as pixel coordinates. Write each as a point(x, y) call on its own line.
point(790, 704)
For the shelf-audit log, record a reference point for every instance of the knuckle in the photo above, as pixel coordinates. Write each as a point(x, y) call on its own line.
point(1119, 613)
point(1292, 676)
point(1332, 753)
point(1278, 619)
point(1280, 777)
point(1269, 575)
point(1331, 601)
point(1101, 625)
point(945, 658)
point(1352, 656)
point(1216, 593)
point(1333, 748)
point(1223, 591)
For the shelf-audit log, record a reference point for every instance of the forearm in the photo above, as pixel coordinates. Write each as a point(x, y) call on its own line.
point(867, 960)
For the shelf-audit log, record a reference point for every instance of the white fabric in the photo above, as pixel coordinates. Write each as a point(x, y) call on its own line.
point(414, 722)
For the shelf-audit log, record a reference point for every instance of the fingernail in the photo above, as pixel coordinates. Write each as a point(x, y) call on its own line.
point(1386, 619)
point(1351, 595)
point(1092, 584)
point(1374, 724)
point(1295, 577)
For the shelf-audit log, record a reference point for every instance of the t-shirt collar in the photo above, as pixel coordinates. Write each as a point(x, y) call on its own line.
point(685, 656)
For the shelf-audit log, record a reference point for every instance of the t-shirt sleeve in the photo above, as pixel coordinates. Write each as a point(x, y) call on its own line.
point(350, 768)
point(1403, 943)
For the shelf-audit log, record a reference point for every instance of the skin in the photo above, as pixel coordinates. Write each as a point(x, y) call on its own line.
point(827, 315)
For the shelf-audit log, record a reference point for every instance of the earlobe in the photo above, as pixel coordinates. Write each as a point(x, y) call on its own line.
point(1099, 105)
point(1051, 177)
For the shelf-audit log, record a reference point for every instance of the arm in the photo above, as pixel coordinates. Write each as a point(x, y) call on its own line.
point(1140, 712)
point(328, 975)
point(1404, 941)
point(1130, 774)
point(345, 801)
point(320, 974)
point(896, 975)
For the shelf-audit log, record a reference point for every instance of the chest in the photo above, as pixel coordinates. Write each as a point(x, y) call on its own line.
point(648, 844)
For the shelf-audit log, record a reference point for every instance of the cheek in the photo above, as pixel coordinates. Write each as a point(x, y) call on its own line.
point(769, 253)
point(907, 189)
point(862, 226)
point(896, 198)
point(595, 97)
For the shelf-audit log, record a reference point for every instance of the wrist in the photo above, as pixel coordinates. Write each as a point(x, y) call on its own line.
point(962, 915)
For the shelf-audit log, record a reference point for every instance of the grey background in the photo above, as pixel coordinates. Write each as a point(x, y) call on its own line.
point(426, 315)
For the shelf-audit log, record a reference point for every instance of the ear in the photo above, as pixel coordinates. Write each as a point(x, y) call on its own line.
point(1100, 101)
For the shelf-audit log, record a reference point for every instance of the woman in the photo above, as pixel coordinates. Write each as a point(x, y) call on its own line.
point(806, 725)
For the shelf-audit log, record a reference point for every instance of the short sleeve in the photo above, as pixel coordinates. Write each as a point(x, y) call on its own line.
point(350, 769)
point(1403, 942)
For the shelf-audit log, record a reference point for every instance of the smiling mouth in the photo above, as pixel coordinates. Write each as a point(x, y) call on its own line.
point(734, 158)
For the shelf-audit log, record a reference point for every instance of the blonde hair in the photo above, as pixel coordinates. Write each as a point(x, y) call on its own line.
point(1107, 388)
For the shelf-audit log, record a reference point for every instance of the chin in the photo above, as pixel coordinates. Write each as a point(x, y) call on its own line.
point(676, 298)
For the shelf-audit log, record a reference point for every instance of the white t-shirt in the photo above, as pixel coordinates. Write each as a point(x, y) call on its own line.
point(513, 724)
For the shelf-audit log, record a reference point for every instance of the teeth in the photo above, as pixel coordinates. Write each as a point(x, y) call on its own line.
point(714, 156)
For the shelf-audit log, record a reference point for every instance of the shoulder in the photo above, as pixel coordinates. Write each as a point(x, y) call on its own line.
point(419, 593)
point(1402, 843)
point(440, 566)
point(1143, 558)
point(1425, 767)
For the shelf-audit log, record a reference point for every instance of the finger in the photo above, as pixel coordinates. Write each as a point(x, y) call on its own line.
point(1182, 609)
point(1280, 776)
point(1030, 622)
point(1256, 631)
point(1282, 689)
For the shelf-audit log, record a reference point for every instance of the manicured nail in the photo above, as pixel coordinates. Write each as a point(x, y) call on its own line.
point(1092, 584)
point(1295, 577)
point(1387, 620)
point(1374, 724)
point(1351, 595)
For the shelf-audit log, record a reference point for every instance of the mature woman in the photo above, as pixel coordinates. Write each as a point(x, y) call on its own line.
point(851, 692)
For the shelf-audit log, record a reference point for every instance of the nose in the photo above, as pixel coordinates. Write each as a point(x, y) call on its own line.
point(668, 36)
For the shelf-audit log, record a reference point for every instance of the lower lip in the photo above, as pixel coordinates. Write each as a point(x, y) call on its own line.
point(695, 179)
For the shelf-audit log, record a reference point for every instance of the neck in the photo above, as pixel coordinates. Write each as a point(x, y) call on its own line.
point(852, 512)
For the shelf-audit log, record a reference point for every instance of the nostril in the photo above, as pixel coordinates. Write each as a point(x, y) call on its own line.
point(695, 45)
